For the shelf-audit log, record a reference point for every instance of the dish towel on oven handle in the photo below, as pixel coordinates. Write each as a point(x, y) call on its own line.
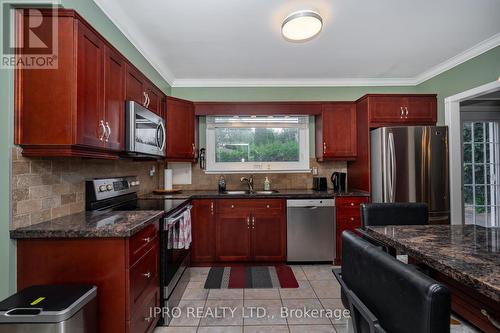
point(185, 230)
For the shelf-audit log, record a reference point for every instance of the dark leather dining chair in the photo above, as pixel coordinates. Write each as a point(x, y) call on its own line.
point(385, 295)
point(397, 213)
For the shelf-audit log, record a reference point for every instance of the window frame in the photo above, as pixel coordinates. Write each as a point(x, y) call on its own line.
point(302, 166)
point(470, 116)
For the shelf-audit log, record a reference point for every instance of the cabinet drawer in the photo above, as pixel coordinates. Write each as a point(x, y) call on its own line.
point(348, 223)
point(144, 276)
point(274, 206)
point(142, 321)
point(348, 212)
point(350, 201)
point(142, 242)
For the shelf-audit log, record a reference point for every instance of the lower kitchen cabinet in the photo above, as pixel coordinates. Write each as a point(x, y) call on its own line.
point(250, 230)
point(203, 231)
point(347, 217)
point(125, 271)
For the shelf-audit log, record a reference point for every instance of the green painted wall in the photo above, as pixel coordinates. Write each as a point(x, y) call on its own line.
point(480, 70)
point(475, 72)
point(89, 10)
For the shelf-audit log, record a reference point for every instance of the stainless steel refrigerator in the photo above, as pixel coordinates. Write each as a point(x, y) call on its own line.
point(410, 164)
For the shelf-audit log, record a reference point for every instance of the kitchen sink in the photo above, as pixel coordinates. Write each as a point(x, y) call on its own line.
point(249, 193)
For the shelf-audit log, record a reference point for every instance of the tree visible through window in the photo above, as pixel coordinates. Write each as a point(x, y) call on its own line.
point(480, 172)
point(257, 143)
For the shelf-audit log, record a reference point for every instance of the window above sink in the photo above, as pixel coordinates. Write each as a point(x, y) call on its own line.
point(257, 144)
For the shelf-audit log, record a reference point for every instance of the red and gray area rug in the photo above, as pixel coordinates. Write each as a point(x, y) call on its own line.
point(251, 277)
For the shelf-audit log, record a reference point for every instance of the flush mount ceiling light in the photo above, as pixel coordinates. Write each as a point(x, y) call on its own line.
point(301, 25)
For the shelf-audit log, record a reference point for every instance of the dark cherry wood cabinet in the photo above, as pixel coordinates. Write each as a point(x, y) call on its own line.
point(347, 217)
point(125, 271)
point(203, 231)
point(401, 110)
point(181, 130)
point(379, 110)
point(77, 108)
point(336, 132)
point(250, 230)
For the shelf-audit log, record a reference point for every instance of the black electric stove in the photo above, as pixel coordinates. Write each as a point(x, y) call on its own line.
point(115, 194)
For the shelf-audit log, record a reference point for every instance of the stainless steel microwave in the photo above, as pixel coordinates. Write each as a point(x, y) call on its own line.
point(145, 132)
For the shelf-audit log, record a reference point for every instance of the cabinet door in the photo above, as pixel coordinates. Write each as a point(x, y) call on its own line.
point(233, 236)
point(154, 100)
point(90, 88)
point(386, 109)
point(421, 111)
point(135, 86)
point(180, 125)
point(114, 99)
point(339, 131)
point(203, 233)
point(268, 235)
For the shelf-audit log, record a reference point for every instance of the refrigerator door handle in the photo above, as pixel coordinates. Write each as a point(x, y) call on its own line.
point(392, 153)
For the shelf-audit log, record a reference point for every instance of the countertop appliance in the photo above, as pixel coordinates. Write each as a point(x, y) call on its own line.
point(320, 184)
point(410, 164)
point(310, 230)
point(339, 180)
point(120, 193)
point(145, 132)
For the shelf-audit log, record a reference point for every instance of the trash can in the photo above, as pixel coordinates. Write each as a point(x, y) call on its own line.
point(50, 309)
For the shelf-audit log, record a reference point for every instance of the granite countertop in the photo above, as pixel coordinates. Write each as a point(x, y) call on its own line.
point(469, 254)
point(91, 225)
point(285, 194)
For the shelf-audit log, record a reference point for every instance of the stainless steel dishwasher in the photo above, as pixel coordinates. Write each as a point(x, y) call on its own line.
point(310, 230)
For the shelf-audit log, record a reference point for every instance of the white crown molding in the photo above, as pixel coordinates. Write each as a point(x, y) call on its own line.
point(168, 75)
point(344, 82)
point(460, 58)
point(164, 71)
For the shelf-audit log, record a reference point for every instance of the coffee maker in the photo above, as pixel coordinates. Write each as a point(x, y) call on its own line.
point(339, 182)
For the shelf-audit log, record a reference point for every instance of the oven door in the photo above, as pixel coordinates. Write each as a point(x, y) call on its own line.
point(174, 258)
point(145, 131)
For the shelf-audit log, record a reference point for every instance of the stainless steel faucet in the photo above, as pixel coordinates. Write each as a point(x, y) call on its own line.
point(248, 181)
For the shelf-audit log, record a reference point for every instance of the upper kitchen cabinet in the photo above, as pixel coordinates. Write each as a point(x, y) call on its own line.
point(336, 132)
point(181, 130)
point(390, 110)
point(140, 90)
point(76, 108)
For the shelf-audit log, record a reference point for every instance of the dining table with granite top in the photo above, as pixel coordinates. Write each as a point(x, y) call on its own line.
point(464, 257)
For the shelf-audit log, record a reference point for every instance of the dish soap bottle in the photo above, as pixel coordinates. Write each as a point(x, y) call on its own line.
point(267, 184)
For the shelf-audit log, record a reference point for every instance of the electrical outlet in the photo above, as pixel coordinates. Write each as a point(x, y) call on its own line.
point(315, 171)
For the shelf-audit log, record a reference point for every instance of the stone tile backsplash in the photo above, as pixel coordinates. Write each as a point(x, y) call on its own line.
point(285, 181)
point(46, 188)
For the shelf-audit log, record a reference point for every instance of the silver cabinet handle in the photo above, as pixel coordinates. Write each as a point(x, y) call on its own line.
point(108, 131)
point(147, 239)
point(147, 275)
point(145, 98)
point(212, 208)
point(406, 114)
point(324, 148)
point(194, 149)
point(248, 222)
point(253, 222)
point(103, 130)
point(402, 112)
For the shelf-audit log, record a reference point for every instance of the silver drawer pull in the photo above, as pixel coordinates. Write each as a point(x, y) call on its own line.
point(232, 206)
point(352, 203)
point(490, 318)
point(147, 275)
point(147, 239)
point(148, 319)
point(352, 218)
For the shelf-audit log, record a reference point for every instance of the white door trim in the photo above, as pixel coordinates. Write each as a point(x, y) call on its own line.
point(452, 120)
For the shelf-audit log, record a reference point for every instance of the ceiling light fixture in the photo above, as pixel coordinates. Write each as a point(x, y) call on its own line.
point(301, 25)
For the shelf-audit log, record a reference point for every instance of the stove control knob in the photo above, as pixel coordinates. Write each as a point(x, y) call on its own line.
point(109, 187)
point(137, 183)
point(102, 188)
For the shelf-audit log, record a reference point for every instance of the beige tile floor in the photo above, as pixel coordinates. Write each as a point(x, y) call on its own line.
point(318, 290)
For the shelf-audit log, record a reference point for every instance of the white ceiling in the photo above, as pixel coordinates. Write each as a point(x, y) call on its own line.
point(238, 42)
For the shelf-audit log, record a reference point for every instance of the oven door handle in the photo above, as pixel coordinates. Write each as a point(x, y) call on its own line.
point(173, 220)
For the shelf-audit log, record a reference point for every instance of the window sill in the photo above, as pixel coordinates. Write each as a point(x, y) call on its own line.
point(215, 172)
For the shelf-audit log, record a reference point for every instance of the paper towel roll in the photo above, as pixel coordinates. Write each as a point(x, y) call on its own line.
point(168, 179)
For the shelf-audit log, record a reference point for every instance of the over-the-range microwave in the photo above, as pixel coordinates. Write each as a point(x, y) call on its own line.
point(145, 133)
